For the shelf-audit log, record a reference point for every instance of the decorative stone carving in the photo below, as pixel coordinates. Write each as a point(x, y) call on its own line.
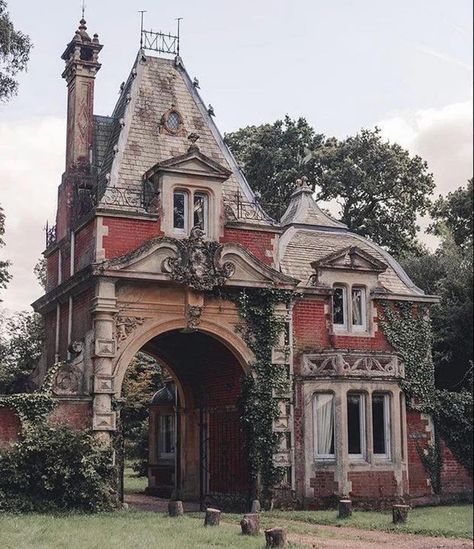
point(198, 263)
point(67, 380)
point(105, 421)
point(193, 316)
point(125, 325)
point(353, 365)
point(104, 348)
point(282, 459)
point(103, 384)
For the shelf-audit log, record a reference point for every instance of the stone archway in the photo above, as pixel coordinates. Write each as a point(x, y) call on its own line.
point(210, 465)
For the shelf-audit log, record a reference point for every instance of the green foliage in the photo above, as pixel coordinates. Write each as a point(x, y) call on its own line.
point(432, 460)
point(453, 415)
point(271, 156)
point(261, 329)
point(5, 276)
point(40, 272)
point(408, 330)
point(454, 212)
point(448, 272)
point(20, 350)
point(144, 377)
point(379, 187)
point(14, 54)
point(56, 468)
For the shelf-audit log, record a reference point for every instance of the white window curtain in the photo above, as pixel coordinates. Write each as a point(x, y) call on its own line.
point(324, 424)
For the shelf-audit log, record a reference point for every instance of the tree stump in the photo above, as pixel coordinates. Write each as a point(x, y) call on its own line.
point(275, 537)
point(345, 508)
point(400, 513)
point(212, 518)
point(250, 524)
point(255, 506)
point(175, 508)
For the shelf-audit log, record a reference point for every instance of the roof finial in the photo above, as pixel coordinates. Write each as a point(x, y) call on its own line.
point(83, 9)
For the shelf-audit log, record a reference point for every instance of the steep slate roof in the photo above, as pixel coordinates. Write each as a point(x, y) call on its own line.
point(311, 235)
point(103, 126)
point(156, 85)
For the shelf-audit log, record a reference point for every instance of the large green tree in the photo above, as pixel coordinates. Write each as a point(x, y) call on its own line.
point(15, 49)
point(380, 188)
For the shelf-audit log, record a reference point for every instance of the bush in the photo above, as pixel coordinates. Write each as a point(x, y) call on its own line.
point(55, 468)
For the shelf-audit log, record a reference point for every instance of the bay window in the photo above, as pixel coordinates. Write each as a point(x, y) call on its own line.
point(323, 421)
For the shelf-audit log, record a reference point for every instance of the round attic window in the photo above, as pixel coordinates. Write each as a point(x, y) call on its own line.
point(173, 121)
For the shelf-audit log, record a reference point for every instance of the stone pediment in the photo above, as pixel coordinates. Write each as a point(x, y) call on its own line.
point(351, 258)
point(197, 263)
point(194, 162)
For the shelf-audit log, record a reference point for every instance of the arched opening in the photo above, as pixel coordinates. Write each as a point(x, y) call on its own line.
point(196, 443)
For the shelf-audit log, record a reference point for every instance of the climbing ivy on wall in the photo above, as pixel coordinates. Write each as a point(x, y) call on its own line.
point(408, 330)
point(261, 328)
point(34, 407)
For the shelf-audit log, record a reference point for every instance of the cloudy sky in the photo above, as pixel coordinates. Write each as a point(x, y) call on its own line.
point(405, 66)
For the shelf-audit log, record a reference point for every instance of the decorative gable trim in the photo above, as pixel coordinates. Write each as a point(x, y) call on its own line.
point(194, 162)
point(351, 258)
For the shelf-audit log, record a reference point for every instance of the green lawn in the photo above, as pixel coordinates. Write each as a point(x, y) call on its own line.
point(448, 521)
point(133, 484)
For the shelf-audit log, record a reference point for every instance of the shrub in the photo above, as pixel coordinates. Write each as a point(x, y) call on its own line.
point(55, 468)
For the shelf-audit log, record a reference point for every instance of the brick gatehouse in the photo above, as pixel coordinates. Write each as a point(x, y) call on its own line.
point(153, 211)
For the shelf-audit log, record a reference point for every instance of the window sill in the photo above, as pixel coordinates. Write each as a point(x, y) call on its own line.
point(348, 333)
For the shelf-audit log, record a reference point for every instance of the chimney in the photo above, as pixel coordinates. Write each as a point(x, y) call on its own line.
point(81, 57)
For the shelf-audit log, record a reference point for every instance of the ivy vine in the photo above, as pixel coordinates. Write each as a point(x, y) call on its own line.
point(32, 408)
point(261, 328)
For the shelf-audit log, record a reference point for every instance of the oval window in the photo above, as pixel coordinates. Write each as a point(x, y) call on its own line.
point(173, 121)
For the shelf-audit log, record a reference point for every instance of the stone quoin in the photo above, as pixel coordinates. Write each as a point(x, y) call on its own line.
point(153, 217)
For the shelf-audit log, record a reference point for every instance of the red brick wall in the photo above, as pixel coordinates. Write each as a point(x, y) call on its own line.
point(259, 243)
point(65, 260)
point(126, 235)
point(323, 484)
point(84, 246)
point(10, 427)
point(50, 331)
point(455, 478)
point(309, 326)
point(52, 262)
point(76, 414)
point(63, 328)
point(372, 484)
point(81, 317)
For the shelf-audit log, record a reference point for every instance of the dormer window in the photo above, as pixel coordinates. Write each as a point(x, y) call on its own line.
point(349, 314)
point(184, 217)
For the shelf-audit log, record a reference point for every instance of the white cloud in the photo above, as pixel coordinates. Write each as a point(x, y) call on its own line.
point(31, 163)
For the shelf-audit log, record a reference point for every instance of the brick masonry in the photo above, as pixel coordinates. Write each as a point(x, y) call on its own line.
point(259, 243)
point(10, 428)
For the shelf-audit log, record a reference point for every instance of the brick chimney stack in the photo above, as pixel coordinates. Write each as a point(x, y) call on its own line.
point(81, 57)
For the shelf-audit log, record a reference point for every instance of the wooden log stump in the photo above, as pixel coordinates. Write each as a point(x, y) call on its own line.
point(255, 506)
point(175, 508)
point(400, 513)
point(275, 537)
point(250, 524)
point(345, 508)
point(212, 518)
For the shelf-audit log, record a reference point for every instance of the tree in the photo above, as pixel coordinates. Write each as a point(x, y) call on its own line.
point(272, 155)
point(40, 272)
point(379, 187)
point(448, 272)
point(5, 276)
point(455, 212)
point(14, 54)
point(21, 346)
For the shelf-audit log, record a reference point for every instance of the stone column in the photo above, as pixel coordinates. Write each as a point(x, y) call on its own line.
point(340, 441)
point(104, 309)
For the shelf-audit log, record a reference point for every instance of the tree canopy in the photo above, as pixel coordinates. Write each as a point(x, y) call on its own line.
point(379, 187)
point(5, 276)
point(15, 48)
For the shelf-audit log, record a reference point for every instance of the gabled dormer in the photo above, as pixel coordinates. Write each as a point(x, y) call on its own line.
point(190, 189)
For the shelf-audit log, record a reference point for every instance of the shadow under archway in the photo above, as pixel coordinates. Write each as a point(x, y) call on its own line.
point(207, 462)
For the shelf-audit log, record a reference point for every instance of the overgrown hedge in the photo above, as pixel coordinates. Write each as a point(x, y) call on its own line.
point(55, 468)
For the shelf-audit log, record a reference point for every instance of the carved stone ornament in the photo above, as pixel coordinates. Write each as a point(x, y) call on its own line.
point(193, 316)
point(353, 365)
point(67, 380)
point(198, 263)
point(125, 325)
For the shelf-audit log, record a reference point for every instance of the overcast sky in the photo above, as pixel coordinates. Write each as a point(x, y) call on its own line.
point(405, 66)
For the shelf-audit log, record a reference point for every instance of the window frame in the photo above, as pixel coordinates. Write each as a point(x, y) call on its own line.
point(318, 456)
point(349, 327)
point(205, 195)
point(359, 327)
point(161, 441)
point(362, 425)
point(345, 308)
point(185, 194)
point(386, 423)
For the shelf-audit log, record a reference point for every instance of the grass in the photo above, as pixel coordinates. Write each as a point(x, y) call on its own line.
point(133, 484)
